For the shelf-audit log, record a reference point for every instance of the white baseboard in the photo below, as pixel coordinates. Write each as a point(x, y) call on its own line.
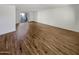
point(75, 30)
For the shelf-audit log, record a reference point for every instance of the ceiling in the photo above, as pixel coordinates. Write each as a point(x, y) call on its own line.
point(36, 7)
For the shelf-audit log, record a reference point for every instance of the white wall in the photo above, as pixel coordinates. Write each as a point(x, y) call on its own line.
point(63, 17)
point(7, 19)
point(17, 16)
point(76, 10)
point(32, 16)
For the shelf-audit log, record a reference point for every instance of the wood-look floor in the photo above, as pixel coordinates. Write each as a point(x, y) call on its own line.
point(41, 39)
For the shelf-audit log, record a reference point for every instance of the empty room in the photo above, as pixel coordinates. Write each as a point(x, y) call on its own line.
point(39, 29)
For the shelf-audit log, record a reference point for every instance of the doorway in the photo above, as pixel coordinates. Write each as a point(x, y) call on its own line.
point(23, 17)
